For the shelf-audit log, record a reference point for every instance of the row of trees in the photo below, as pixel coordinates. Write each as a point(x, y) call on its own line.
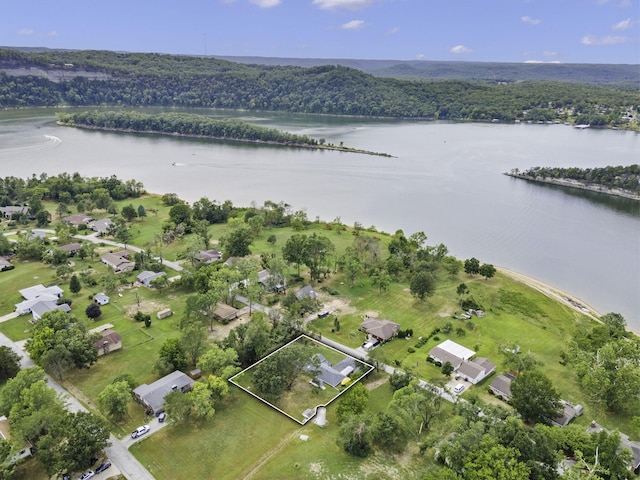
point(62, 441)
point(183, 124)
point(622, 177)
point(178, 81)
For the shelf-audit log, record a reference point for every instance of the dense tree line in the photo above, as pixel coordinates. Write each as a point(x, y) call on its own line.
point(184, 124)
point(625, 178)
point(137, 79)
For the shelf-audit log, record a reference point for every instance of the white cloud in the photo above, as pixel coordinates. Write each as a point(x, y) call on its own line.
point(392, 31)
point(348, 4)
point(421, 56)
point(459, 49)
point(608, 40)
point(266, 3)
point(25, 31)
point(530, 21)
point(623, 25)
point(353, 25)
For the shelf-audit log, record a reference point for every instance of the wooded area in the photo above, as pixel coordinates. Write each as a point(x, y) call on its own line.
point(79, 78)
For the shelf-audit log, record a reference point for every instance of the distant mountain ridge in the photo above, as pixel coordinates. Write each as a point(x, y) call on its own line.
point(594, 74)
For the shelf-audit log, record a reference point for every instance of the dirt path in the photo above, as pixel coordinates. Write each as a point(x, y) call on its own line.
point(270, 454)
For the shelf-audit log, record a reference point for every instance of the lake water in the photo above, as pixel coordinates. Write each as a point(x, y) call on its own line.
point(445, 179)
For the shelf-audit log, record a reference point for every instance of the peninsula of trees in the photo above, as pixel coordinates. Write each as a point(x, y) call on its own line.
point(192, 125)
point(620, 181)
point(92, 78)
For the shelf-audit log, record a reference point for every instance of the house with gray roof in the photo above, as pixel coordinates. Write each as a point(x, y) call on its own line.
point(476, 370)
point(152, 396)
point(101, 226)
point(452, 352)
point(501, 386)
point(306, 292)
point(9, 211)
point(330, 374)
point(71, 248)
point(146, 277)
point(41, 307)
point(101, 299)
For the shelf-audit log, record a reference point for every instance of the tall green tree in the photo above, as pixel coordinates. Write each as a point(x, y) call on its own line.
point(534, 397)
point(422, 285)
point(9, 363)
point(114, 400)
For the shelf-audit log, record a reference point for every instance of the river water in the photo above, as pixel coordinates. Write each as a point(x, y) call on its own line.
point(444, 179)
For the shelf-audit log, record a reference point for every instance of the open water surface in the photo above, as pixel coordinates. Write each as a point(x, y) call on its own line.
point(444, 179)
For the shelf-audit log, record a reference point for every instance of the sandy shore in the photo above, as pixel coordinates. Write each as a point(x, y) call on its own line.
point(552, 292)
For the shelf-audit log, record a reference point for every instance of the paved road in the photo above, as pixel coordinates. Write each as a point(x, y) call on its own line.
point(117, 452)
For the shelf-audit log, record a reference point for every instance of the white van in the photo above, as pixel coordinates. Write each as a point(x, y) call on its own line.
point(458, 388)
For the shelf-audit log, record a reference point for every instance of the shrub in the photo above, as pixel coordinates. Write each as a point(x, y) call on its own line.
point(411, 350)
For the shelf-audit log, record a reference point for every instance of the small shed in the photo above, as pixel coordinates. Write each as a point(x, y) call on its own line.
point(166, 313)
point(108, 342)
point(196, 373)
point(101, 299)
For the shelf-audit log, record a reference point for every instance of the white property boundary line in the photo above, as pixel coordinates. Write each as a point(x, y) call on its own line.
point(315, 409)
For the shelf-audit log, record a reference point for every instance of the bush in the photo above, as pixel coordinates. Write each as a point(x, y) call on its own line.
point(411, 350)
point(436, 338)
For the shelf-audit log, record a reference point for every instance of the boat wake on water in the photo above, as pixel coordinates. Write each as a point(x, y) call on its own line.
point(53, 140)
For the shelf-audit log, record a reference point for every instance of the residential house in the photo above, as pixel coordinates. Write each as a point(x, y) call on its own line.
point(108, 342)
point(476, 370)
point(333, 375)
point(101, 299)
point(41, 307)
point(72, 248)
point(118, 262)
point(225, 312)
point(208, 256)
point(306, 292)
point(5, 433)
point(78, 219)
point(146, 277)
point(450, 351)
point(101, 226)
point(7, 212)
point(152, 396)
point(40, 299)
point(380, 329)
point(569, 412)
point(501, 386)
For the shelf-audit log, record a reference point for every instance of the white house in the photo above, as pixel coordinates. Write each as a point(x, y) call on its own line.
point(452, 352)
point(476, 370)
point(101, 298)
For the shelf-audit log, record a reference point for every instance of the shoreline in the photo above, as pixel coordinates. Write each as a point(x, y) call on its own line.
point(568, 183)
point(554, 293)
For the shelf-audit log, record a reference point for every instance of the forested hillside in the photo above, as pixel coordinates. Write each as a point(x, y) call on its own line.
point(80, 78)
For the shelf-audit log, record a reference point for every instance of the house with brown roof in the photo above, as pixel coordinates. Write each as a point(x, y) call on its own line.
point(108, 342)
point(71, 248)
point(208, 256)
point(380, 329)
point(225, 312)
point(117, 262)
point(78, 219)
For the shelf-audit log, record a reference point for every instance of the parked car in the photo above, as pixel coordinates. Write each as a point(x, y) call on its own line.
point(103, 466)
point(458, 388)
point(138, 432)
point(87, 475)
point(162, 417)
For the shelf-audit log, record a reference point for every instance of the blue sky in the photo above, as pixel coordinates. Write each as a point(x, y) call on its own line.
point(565, 31)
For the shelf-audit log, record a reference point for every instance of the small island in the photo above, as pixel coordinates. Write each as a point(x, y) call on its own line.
point(196, 126)
point(619, 181)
